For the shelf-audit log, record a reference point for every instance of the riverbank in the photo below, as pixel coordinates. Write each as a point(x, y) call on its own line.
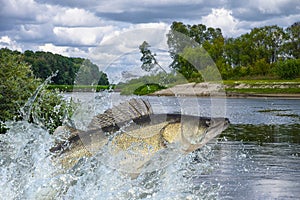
point(80, 88)
point(235, 89)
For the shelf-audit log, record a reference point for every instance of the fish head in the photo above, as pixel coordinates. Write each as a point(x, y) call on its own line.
point(197, 131)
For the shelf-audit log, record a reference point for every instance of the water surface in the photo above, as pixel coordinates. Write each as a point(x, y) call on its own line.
point(257, 157)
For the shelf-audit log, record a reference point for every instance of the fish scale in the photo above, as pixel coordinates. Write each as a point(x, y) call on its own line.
point(131, 128)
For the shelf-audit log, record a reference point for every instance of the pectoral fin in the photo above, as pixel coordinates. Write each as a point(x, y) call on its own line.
point(171, 132)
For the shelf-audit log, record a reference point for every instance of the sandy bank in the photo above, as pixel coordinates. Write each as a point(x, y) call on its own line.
point(215, 90)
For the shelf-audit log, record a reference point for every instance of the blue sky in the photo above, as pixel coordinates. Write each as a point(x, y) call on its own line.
point(84, 27)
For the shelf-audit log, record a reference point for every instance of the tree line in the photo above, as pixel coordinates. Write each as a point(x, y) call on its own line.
point(69, 70)
point(22, 73)
point(269, 51)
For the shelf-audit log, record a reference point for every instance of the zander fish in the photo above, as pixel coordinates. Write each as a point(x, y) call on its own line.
point(134, 134)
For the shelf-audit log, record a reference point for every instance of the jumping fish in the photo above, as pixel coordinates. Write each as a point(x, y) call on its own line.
point(132, 130)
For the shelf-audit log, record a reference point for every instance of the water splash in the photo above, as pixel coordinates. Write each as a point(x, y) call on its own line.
point(27, 108)
point(29, 171)
point(24, 158)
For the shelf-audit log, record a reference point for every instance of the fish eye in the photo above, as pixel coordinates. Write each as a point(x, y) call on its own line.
point(207, 122)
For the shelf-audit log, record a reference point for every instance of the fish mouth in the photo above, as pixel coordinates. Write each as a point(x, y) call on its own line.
point(218, 123)
point(216, 127)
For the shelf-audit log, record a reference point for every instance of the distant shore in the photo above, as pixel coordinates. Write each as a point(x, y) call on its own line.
point(232, 91)
point(250, 95)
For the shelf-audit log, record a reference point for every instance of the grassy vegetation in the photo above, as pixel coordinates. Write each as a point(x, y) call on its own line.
point(262, 82)
point(280, 113)
point(263, 86)
point(273, 86)
point(148, 89)
point(156, 82)
point(288, 115)
point(71, 88)
point(272, 110)
point(265, 90)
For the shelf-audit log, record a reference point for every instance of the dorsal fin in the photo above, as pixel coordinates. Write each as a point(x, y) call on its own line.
point(126, 111)
point(110, 119)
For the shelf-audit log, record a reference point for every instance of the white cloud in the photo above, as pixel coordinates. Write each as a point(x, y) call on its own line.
point(7, 42)
point(71, 27)
point(127, 40)
point(48, 47)
point(131, 37)
point(16, 8)
point(222, 18)
point(89, 36)
point(119, 50)
point(76, 17)
point(63, 50)
point(33, 31)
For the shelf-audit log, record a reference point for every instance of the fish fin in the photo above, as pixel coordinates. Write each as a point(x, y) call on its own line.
point(129, 110)
point(64, 145)
point(171, 132)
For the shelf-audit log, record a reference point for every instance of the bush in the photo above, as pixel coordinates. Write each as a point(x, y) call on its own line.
point(17, 85)
point(50, 110)
point(148, 88)
point(260, 67)
point(288, 69)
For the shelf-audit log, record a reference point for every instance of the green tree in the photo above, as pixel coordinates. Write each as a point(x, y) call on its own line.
point(50, 110)
point(17, 84)
point(182, 38)
point(260, 67)
point(288, 69)
point(292, 46)
point(148, 59)
point(43, 64)
point(266, 42)
point(89, 74)
point(103, 80)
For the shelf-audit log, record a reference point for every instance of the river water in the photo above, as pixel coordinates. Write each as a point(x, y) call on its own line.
point(257, 157)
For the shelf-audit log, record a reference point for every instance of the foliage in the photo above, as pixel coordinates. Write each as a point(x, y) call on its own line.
point(260, 67)
point(189, 44)
point(163, 79)
point(291, 47)
point(43, 64)
point(265, 90)
point(148, 89)
point(71, 88)
point(210, 73)
point(16, 84)
point(263, 86)
point(50, 110)
point(250, 54)
point(294, 82)
point(103, 80)
point(288, 69)
point(148, 59)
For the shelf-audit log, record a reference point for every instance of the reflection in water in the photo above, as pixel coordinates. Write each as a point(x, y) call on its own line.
point(258, 162)
point(260, 134)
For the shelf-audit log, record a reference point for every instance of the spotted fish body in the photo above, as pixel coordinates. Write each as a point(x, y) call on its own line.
point(132, 130)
